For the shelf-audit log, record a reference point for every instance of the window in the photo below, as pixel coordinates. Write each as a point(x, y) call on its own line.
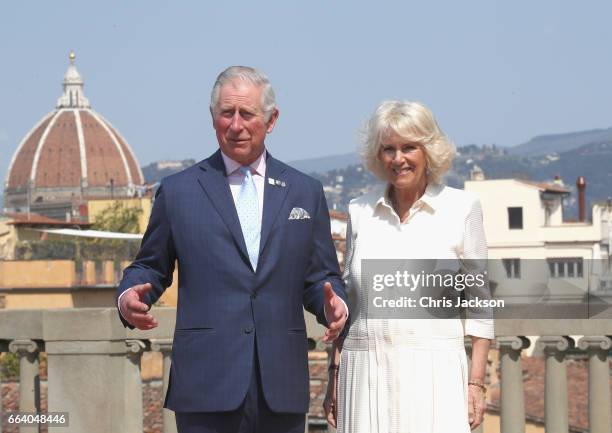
point(515, 217)
point(512, 267)
point(565, 267)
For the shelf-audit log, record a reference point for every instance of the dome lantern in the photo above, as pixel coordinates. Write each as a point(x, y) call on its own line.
point(73, 96)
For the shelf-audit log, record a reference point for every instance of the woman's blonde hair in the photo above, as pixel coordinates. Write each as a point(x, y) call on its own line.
point(415, 123)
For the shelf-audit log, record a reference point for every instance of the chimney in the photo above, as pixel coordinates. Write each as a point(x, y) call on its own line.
point(476, 173)
point(581, 185)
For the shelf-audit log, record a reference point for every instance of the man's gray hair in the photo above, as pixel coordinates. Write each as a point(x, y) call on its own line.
point(250, 75)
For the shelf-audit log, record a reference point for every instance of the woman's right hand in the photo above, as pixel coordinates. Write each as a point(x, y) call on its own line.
point(330, 402)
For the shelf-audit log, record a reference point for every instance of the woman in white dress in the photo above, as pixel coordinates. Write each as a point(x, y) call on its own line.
point(397, 375)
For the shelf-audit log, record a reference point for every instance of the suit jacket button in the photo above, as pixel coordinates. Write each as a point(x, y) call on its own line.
point(254, 295)
point(248, 330)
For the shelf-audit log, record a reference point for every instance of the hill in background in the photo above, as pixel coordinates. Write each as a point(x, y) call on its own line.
point(326, 163)
point(156, 171)
point(584, 153)
point(556, 143)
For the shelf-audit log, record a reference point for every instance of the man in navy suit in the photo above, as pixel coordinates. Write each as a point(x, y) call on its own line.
point(252, 239)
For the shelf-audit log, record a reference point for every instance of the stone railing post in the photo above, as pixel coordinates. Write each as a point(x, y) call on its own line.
point(555, 389)
point(165, 347)
point(3, 348)
point(29, 380)
point(133, 386)
point(598, 348)
point(512, 397)
point(93, 371)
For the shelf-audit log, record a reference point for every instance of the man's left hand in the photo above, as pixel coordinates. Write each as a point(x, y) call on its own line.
point(335, 313)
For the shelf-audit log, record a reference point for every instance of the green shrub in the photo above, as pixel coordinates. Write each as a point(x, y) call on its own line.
point(9, 366)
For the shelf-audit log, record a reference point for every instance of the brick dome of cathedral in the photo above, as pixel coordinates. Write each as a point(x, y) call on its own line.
point(73, 150)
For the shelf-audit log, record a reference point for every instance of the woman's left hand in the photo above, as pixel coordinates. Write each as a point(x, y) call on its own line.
point(330, 402)
point(476, 406)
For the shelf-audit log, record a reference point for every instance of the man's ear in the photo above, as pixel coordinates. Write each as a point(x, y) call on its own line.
point(272, 120)
point(212, 115)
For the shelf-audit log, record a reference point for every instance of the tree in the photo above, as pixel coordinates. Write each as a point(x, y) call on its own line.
point(118, 217)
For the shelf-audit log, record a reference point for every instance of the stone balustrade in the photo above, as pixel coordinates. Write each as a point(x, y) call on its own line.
point(93, 366)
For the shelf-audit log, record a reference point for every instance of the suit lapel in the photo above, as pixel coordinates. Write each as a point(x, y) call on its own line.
point(213, 180)
point(274, 196)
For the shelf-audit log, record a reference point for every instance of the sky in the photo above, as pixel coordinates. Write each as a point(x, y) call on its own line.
point(491, 71)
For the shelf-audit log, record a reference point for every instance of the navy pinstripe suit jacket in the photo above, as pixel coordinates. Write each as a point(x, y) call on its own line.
point(226, 310)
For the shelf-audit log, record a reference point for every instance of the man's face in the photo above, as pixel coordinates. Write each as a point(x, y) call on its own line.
point(239, 121)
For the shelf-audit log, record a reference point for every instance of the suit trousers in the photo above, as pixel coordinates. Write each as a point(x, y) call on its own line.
point(253, 415)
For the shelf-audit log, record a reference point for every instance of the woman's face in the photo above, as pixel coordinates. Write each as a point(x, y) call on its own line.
point(404, 162)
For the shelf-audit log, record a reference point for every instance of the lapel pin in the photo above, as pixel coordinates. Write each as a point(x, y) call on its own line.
point(276, 182)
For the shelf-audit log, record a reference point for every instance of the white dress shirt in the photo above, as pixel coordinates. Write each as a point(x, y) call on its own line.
point(235, 178)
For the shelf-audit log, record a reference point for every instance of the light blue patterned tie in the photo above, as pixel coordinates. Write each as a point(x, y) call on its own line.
point(247, 206)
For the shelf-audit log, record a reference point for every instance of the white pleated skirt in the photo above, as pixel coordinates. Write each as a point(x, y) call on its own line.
point(408, 385)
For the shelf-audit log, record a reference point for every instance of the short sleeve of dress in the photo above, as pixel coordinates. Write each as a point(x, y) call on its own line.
point(479, 321)
point(348, 255)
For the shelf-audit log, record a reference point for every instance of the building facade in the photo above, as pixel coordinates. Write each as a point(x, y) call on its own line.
point(537, 251)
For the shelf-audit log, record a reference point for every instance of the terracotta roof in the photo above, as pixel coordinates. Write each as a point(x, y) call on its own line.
point(20, 219)
point(71, 146)
point(548, 187)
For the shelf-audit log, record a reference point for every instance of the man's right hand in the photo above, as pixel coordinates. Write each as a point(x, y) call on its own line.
point(134, 310)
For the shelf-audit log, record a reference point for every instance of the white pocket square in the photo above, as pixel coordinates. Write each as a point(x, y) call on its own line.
point(297, 213)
